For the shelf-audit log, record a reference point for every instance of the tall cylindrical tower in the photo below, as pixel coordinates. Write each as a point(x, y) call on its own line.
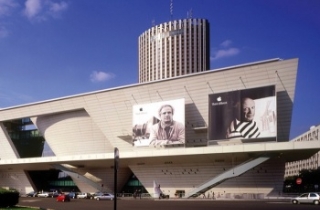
point(174, 48)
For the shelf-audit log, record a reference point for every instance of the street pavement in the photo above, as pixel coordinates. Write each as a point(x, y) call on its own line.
point(165, 204)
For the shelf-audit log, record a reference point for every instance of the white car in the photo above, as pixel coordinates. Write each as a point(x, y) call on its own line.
point(84, 195)
point(307, 198)
point(104, 196)
point(44, 194)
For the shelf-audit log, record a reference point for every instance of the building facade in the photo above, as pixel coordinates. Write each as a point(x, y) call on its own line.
point(174, 48)
point(82, 132)
point(312, 163)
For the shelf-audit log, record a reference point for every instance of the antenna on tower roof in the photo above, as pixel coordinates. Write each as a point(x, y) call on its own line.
point(189, 13)
point(171, 9)
point(153, 22)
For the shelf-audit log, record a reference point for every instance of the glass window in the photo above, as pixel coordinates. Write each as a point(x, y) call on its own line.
point(304, 195)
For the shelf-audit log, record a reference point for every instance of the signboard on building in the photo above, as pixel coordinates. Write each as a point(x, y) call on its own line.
point(245, 115)
point(161, 123)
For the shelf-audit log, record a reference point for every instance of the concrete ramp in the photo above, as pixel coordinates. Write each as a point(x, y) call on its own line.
point(78, 176)
point(233, 172)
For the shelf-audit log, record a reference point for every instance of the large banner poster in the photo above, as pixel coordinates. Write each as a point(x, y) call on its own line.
point(161, 123)
point(246, 115)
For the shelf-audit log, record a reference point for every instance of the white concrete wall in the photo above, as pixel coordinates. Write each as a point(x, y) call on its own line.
point(102, 120)
point(72, 133)
point(266, 179)
point(104, 177)
point(99, 121)
point(15, 179)
point(7, 150)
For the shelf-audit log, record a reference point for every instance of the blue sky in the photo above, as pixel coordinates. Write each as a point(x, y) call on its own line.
point(57, 48)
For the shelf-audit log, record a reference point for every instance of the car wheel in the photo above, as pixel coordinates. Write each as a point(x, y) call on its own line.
point(98, 199)
point(316, 202)
point(295, 202)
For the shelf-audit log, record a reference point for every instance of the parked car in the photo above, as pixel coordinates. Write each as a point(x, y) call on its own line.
point(54, 194)
point(47, 194)
point(312, 198)
point(163, 196)
point(73, 195)
point(63, 198)
point(89, 195)
point(84, 195)
point(44, 194)
point(104, 196)
point(93, 195)
point(32, 194)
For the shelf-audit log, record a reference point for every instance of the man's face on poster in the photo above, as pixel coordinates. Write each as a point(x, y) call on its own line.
point(166, 114)
point(248, 109)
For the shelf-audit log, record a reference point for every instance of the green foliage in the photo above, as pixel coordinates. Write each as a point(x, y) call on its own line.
point(8, 197)
point(310, 182)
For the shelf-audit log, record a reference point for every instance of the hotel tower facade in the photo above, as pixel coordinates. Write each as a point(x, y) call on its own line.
point(174, 48)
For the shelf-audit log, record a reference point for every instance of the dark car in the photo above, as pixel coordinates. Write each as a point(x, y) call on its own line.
point(55, 194)
point(163, 196)
point(63, 198)
point(72, 195)
point(32, 194)
point(90, 196)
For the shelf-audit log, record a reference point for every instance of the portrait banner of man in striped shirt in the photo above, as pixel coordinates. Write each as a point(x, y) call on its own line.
point(243, 114)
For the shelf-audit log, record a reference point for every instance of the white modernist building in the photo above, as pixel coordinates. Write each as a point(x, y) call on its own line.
point(174, 48)
point(83, 131)
point(312, 163)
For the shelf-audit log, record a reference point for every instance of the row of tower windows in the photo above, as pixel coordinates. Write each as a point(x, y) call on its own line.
point(176, 26)
point(173, 73)
point(172, 55)
point(168, 48)
point(170, 42)
point(173, 49)
point(178, 51)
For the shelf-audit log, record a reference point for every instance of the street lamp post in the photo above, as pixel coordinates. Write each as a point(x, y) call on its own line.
point(116, 166)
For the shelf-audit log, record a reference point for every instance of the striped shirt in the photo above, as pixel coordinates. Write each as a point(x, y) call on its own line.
point(238, 129)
